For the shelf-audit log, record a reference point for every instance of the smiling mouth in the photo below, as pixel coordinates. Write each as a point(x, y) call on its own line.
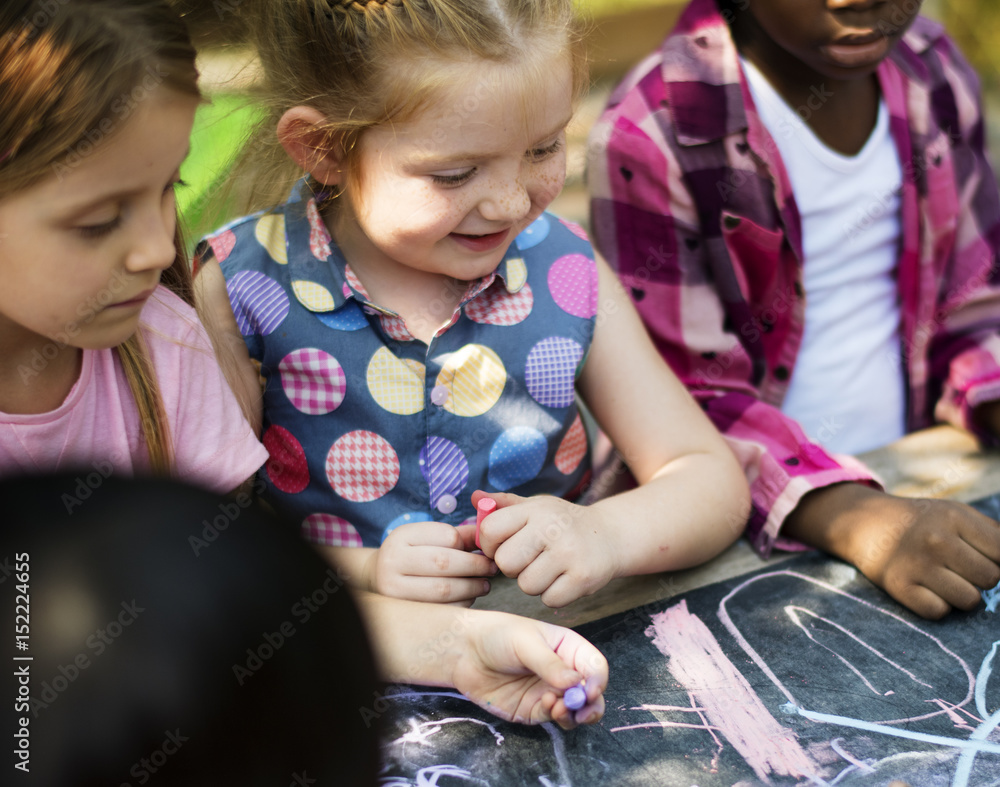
point(480, 242)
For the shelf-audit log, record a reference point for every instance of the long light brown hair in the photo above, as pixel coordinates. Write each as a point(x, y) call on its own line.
point(362, 64)
point(65, 68)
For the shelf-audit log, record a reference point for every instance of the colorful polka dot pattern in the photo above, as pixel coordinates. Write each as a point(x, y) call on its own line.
point(348, 317)
point(270, 233)
point(354, 282)
point(313, 296)
point(571, 282)
point(331, 531)
point(362, 466)
point(575, 228)
point(406, 519)
point(572, 449)
point(499, 307)
point(313, 381)
point(319, 236)
point(286, 466)
point(516, 457)
point(475, 377)
point(517, 274)
point(395, 328)
point(222, 244)
point(259, 303)
point(484, 404)
point(444, 467)
point(396, 384)
point(550, 373)
point(534, 233)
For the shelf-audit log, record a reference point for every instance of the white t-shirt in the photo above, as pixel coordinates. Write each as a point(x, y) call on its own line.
point(97, 427)
point(847, 388)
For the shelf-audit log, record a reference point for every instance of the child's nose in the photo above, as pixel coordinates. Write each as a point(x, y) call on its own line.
point(508, 200)
point(153, 247)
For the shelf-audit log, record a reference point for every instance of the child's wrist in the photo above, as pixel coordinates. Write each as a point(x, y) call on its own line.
point(368, 579)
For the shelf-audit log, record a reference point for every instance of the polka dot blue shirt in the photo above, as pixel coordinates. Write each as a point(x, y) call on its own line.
point(368, 427)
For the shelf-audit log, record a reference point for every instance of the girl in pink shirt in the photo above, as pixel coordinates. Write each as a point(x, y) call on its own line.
point(104, 366)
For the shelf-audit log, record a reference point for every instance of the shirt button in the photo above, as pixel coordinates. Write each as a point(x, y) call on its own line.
point(439, 395)
point(446, 504)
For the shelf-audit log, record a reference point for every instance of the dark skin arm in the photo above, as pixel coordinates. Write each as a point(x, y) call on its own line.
point(929, 555)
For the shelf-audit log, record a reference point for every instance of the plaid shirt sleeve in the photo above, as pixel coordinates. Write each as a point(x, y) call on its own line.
point(646, 223)
point(964, 351)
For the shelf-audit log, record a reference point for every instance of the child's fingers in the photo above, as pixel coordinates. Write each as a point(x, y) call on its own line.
point(428, 561)
point(974, 567)
point(440, 590)
point(983, 535)
point(951, 587)
point(434, 534)
point(537, 577)
point(468, 535)
point(563, 590)
point(515, 553)
point(538, 656)
point(923, 601)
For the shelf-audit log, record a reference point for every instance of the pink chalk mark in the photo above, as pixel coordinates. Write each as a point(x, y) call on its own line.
point(729, 703)
point(485, 507)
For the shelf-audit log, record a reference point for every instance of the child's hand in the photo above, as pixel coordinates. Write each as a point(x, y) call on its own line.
point(432, 561)
point(554, 548)
point(518, 668)
point(929, 555)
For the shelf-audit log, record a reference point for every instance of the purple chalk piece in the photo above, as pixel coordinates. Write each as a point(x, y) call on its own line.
point(575, 698)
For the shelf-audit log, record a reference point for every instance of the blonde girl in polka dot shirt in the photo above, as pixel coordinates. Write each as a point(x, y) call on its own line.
point(423, 327)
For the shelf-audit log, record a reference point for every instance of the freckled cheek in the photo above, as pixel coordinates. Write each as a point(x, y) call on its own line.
point(431, 220)
point(548, 185)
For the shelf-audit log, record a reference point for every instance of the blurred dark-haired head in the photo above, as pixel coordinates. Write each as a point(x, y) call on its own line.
point(176, 636)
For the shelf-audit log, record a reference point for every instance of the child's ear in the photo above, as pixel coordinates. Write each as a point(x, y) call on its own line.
point(301, 133)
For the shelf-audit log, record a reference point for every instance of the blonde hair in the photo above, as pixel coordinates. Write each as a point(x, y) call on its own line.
point(71, 72)
point(362, 64)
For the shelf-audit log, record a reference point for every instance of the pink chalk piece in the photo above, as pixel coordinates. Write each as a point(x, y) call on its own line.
point(485, 507)
point(575, 698)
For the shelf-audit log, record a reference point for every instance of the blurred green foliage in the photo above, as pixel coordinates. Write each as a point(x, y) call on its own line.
point(220, 127)
point(975, 26)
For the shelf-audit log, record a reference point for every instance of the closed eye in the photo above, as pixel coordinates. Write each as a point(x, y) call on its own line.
point(456, 179)
point(100, 230)
point(540, 154)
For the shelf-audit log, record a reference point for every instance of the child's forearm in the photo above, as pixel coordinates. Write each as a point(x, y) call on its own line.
point(355, 564)
point(416, 642)
point(689, 512)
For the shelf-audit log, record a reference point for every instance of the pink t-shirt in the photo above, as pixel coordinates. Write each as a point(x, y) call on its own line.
point(97, 426)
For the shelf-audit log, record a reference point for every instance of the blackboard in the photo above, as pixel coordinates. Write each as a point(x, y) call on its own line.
point(798, 674)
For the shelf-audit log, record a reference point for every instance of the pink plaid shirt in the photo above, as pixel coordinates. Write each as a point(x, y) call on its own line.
point(693, 206)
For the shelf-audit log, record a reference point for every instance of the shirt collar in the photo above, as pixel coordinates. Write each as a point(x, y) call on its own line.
point(700, 58)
